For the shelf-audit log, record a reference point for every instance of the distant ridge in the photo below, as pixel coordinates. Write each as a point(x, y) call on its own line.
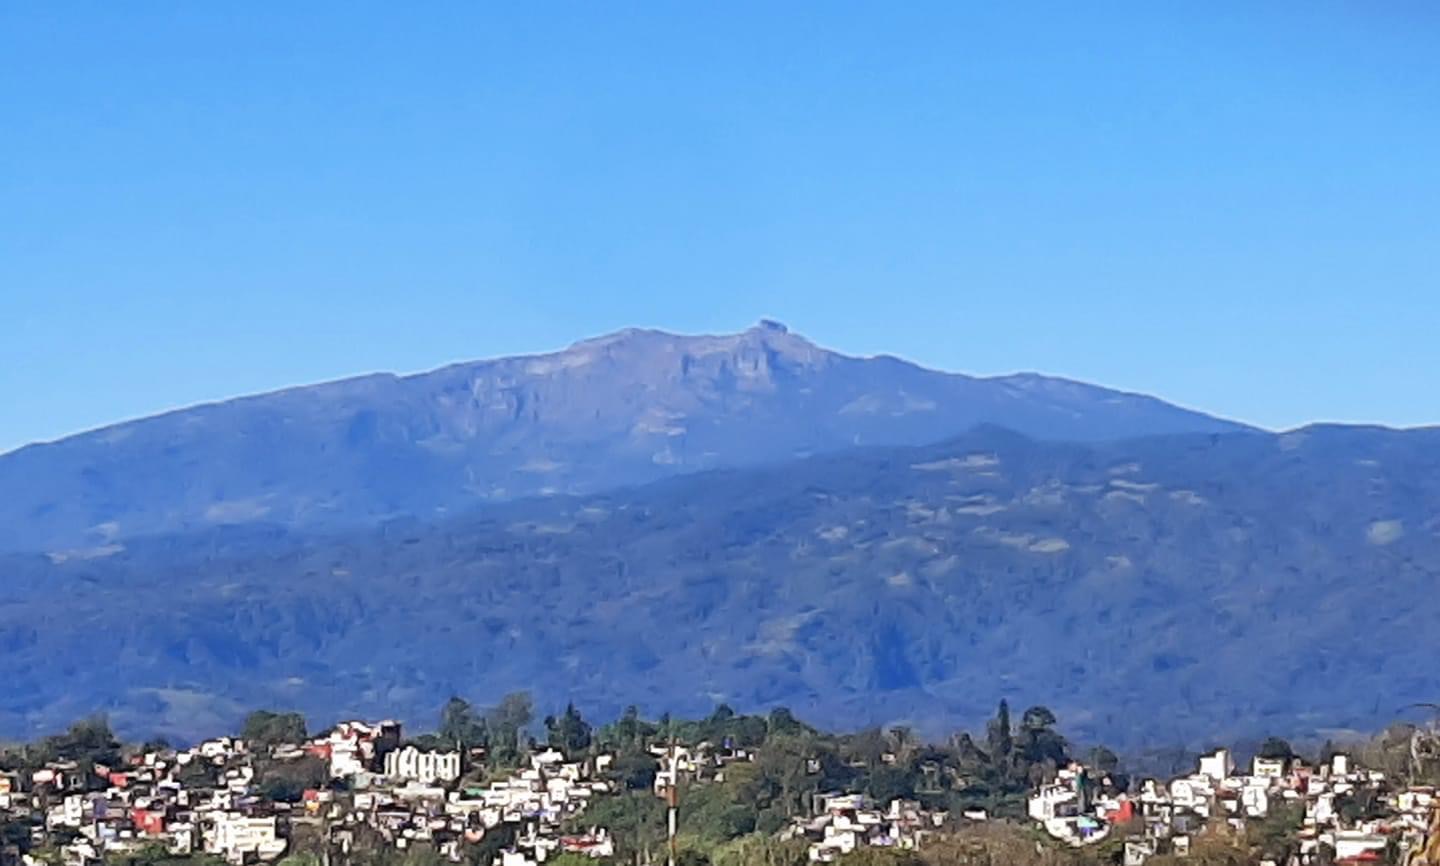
point(1175, 589)
point(620, 409)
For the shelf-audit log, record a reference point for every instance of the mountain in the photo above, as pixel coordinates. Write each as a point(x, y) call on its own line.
point(1159, 590)
point(626, 409)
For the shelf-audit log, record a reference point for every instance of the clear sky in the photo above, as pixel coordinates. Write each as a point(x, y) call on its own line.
point(1235, 206)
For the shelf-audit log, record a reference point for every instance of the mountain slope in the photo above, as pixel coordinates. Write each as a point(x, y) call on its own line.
point(624, 409)
point(1157, 590)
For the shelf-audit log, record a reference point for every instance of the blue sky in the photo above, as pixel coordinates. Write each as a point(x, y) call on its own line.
point(1235, 206)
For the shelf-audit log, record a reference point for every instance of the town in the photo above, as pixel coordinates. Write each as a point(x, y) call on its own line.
point(206, 799)
point(1079, 810)
point(362, 793)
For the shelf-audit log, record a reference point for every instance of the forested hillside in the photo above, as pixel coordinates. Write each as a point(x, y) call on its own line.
point(1159, 590)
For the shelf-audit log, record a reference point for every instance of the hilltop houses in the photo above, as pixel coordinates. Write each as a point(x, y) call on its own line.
point(361, 787)
point(208, 799)
point(1163, 817)
point(845, 822)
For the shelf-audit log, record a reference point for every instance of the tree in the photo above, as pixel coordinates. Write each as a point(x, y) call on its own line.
point(890, 783)
point(1041, 750)
point(782, 721)
point(267, 728)
point(1275, 835)
point(758, 849)
point(89, 740)
point(149, 854)
point(569, 733)
point(1037, 718)
point(506, 722)
point(867, 747)
point(867, 855)
point(635, 770)
point(902, 741)
point(1275, 748)
point(782, 768)
point(635, 819)
point(287, 781)
point(997, 735)
point(1103, 760)
point(459, 725)
point(629, 733)
point(495, 840)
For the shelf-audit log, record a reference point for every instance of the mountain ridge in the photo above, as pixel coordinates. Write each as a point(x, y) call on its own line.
point(1112, 581)
point(623, 408)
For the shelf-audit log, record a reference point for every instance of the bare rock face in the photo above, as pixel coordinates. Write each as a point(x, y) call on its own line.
point(622, 409)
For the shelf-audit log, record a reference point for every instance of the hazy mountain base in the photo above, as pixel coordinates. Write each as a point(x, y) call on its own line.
point(629, 408)
point(1164, 590)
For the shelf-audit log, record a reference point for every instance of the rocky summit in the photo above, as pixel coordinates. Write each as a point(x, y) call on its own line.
point(628, 408)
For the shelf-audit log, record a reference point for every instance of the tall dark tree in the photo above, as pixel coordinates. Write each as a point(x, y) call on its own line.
point(782, 721)
point(506, 725)
point(1041, 750)
point(629, 733)
point(998, 736)
point(1037, 718)
point(969, 759)
point(460, 725)
point(87, 741)
point(1276, 748)
point(569, 732)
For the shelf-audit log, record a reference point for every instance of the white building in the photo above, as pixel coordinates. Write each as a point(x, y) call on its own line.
point(426, 768)
point(1053, 801)
point(1267, 768)
point(235, 836)
point(1353, 843)
point(1217, 765)
point(1255, 800)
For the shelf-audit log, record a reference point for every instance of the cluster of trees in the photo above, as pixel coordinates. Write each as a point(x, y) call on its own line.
point(734, 820)
point(502, 730)
point(87, 742)
point(267, 728)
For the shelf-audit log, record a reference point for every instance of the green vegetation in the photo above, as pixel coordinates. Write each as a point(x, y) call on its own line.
point(931, 576)
point(87, 742)
point(569, 733)
point(267, 728)
point(732, 816)
point(502, 731)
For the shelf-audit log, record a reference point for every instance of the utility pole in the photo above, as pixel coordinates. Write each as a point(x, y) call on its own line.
point(672, 799)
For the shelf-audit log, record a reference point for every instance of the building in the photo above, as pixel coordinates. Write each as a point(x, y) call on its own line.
point(426, 768)
point(1217, 765)
point(234, 837)
point(1267, 768)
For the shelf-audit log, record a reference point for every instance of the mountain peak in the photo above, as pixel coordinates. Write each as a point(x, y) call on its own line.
point(625, 408)
point(767, 335)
